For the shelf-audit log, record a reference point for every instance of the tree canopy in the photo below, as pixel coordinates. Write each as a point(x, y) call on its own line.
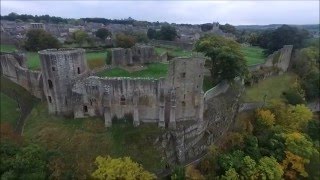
point(103, 33)
point(227, 61)
point(120, 168)
point(38, 39)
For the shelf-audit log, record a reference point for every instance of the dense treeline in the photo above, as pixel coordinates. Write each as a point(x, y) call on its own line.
point(166, 32)
point(278, 142)
point(272, 40)
point(31, 18)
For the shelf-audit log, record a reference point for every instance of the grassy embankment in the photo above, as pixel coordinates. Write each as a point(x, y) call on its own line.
point(80, 141)
point(253, 55)
point(94, 59)
point(9, 111)
point(272, 87)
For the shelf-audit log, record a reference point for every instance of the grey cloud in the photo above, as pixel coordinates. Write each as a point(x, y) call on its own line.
point(194, 12)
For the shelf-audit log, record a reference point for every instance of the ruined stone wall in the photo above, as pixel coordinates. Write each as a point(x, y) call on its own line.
point(59, 68)
point(279, 59)
point(185, 77)
point(14, 68)
point(121, 56)
point(192, 138)
point(138, 54)
point(111, 97)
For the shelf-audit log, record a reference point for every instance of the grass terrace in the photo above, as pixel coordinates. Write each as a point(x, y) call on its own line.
point(155, 70)
point(253, 55)
point(272, 87)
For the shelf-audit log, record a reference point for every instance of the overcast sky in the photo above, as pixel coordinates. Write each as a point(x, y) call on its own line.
point(193, 12)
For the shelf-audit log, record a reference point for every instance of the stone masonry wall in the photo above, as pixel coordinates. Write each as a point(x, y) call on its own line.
point(59, 68)
point(14, 68)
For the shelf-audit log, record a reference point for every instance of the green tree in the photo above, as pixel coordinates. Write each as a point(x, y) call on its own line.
point(273, 40)
point(206, 27)
point(120, 168)
point(103, 33)
point(152, 33)
point(251, 147)
point(28, 162)
point(231, 160)
point(227, 60)
point(38, 39)
point(125, 41)
point(249, 169)
point(228, 28)
point(269, 168)
point(80, 37)
point(167, 32)
point(231, 174)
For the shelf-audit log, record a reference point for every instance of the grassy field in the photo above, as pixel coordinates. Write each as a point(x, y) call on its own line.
point(272, 87)
point(253, 55)
point(155, 70)
point(9, 110)
point(80, 141)
point(96, 59)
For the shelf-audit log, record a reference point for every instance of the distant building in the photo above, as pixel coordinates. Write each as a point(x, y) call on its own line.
point(37, 26)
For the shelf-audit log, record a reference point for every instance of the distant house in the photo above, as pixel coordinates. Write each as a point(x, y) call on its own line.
point(37, 26)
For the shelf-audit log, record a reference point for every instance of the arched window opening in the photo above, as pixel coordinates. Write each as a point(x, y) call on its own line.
point(85, 109)
point(50, 84)
point(122, 100)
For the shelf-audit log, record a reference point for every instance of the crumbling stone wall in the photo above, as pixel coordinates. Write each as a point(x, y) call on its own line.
point(279, 59)
point(13, 67)
point(138, 54)
point(191, 138)
point(59, 68)
point(176, 98)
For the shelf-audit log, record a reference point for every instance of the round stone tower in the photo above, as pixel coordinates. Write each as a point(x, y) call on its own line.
point(59, 68)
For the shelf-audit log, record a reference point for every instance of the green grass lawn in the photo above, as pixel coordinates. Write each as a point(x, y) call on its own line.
point(96, 59)
point(80, 141)
point(253, 55)
point(9, 110)
point(7, 48)
point(272, 87)
point(155, 70)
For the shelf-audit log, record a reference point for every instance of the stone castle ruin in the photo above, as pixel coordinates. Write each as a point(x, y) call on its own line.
point(194, 119)
point(138, 54)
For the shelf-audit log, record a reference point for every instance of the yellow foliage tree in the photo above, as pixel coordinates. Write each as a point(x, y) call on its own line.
point(120, 168)
point(294, 164)
point(298, 116)
point(265, 117)
point(193, 173)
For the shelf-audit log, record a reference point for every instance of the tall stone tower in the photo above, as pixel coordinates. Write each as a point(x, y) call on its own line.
point(185, 76)
point(59, 67)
